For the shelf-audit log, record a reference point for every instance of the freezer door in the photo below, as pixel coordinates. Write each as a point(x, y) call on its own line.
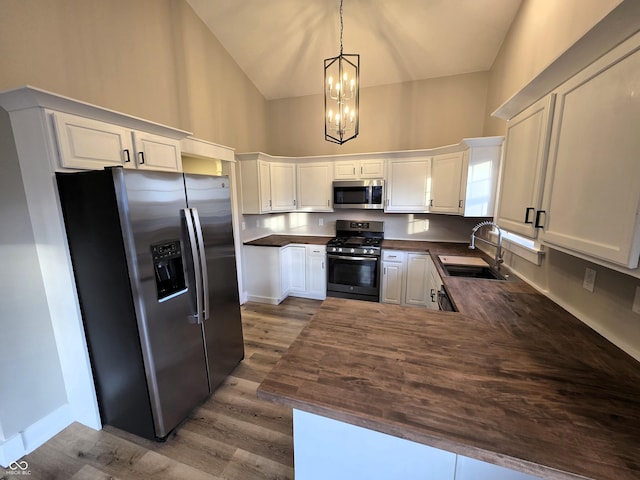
point(223, 328)
point(150, 205)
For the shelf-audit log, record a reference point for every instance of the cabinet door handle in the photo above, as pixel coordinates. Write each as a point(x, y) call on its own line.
point(526, 214)
point(538, 224)
point(141, 155)
point(127, 156)
point(433, 295)
point(361, 170)
point(354, 170)
point(384, 271)
point(460, 203)
point(431, 203)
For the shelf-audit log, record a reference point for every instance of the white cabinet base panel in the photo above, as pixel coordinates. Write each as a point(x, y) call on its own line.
point(329, 449)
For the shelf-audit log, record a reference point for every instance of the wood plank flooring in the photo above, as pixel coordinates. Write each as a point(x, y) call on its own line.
point(232, 436)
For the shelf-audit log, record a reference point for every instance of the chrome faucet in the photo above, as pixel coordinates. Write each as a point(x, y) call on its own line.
point(498, 245)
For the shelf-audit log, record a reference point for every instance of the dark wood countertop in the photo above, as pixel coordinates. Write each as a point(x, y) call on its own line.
point(511, 379)
point(283, 240)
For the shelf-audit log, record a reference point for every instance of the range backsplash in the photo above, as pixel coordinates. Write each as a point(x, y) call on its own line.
point(400, 226)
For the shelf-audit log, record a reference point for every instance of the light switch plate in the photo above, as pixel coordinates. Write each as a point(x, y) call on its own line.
point(636, 302)
point(589, 279)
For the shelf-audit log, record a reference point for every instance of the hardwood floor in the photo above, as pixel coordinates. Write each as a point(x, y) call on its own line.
point(232, 436)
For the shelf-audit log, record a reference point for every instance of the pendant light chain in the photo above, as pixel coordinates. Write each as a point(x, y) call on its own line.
point(341, 26)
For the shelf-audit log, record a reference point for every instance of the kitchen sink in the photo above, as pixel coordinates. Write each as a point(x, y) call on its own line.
point(471, 271)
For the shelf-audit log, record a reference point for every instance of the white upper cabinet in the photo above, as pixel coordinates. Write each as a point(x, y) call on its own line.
point(408, 181)
point(358, 169)
point(255, 177)
point(458, 179)
point(283, 187)
point(592, 191)
point(85, 143)
point(154, 152)
point(267, 186)
point(90, 144)
point(446, 183)
point(480, 170)
point(525, 157)
point(314, 186)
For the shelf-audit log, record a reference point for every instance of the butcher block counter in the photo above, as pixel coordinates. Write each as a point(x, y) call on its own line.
point(510, 379)
point(284, 240)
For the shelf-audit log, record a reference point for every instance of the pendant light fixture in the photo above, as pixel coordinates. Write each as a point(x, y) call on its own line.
point(341, 95)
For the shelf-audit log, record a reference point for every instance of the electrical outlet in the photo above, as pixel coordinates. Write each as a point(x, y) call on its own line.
point(636, 302)
point(589, 279)
point(244, 225)
point(321, 221)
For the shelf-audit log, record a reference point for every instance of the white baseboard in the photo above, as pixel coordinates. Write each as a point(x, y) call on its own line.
point(35, 435)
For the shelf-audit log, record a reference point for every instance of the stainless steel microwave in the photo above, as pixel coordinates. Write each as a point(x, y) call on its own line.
point(368, 194)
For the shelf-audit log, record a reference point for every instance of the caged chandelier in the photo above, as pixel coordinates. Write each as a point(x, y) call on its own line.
point(341, 95)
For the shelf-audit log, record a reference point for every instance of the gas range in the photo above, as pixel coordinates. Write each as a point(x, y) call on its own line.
point(353, 258)
point(357, 238)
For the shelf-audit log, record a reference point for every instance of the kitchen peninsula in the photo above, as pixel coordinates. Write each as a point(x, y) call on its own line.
point(510, 379)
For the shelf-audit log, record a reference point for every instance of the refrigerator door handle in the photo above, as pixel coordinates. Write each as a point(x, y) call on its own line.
point(203, 265)
point(196, 263)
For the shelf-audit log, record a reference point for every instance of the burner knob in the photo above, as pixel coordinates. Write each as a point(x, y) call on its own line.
point(340, 249)
point(353, 250)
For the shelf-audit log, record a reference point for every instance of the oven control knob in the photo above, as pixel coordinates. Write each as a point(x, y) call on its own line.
point(340, 249)
point(353, 250)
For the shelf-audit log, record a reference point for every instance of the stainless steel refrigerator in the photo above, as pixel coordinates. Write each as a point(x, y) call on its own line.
point(154, 263)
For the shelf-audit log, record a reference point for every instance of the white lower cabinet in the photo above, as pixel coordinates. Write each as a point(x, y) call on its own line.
point(434, 284)
point(392, 285)
point(293, 263)
point(470, 469)
point(273, 273)
point(263, 275)
point(329, 449)
point(316, 272)
point(416, 292)
point(408, 278)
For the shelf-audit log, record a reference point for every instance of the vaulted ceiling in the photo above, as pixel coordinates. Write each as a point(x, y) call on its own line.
point(281, 44)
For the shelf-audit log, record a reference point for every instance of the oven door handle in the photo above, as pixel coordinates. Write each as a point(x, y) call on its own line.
point(344, 257)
